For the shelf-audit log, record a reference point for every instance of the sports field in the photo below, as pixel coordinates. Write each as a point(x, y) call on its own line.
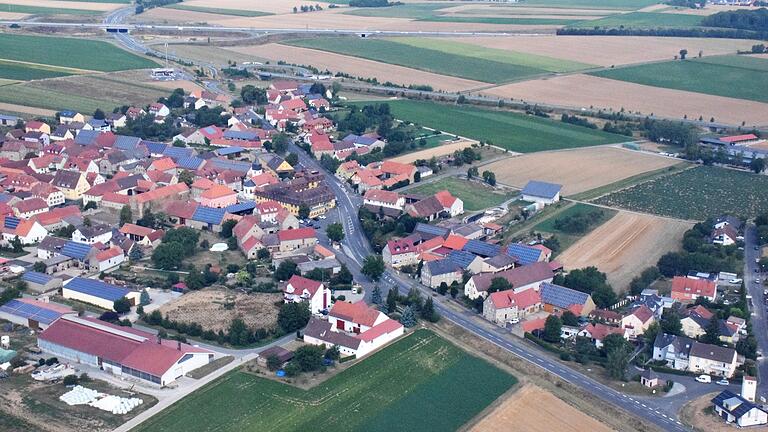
point(729, 76)
point(644, 20)
point(512, 131)
point(696, 194)
point(441, 57)
point(476, 196)
point(419, 383)
point(81, 54)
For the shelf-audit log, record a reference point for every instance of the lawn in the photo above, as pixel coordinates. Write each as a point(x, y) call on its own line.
point(420, 383)
point(23, 72)
point(566, 239)
point(219, 11)
point(423, 58)
point(730, 76)
point(41, 10)
point(644, 20)
point(69, 52)
point(499, 55)
point(696, 194)
point(475, 195)
point(509, 130)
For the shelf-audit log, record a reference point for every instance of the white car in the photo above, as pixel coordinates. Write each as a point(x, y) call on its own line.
point(723, 382)
point(704, 379)
point(514, 321)
point(735, 281)
point(322, 216)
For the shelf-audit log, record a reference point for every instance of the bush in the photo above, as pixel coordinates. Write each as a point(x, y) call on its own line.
point(565, 356)
point(51, 361)
point(70, 380)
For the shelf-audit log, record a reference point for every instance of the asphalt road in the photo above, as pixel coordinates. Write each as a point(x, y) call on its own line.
point(759, 314)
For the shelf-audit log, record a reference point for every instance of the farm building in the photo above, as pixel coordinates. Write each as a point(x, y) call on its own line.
point(32, 313)
point(97, 293)
point(558, 298)
point(541, 192)
point(41, 282)
point(735, 409)
point(122, 351)
point(283, 355)
point(355, 328)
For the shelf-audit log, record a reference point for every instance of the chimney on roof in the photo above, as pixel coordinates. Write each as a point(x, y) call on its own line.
point(159, 339)
point(178, 345)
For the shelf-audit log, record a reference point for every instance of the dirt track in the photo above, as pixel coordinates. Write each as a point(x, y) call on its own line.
point(533, 409)
point(584, 91)
point(578, 170)
point(625, 245)
point(609, 50)
point(356, 66)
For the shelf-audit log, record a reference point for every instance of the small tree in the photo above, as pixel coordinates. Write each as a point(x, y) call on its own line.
point(472, 172)
point(304, 211)
point(552, 328)
point(757, 165)
point(126, 215)
point(335, 232)
point(309, 357)
point(136, 253)
point(39, 267)
point(285, 270)
point(376, 295)
point(428, 311)
point(144, 298)
point(122, 305)
point(293, 316)
point(499, 284)
point(408, 319)
point(70, 380)
point(454, 290)
point(570, 319)
point(712, 331)
point(226, 228)
point(683, 53)
point(273, 362)
point(16, 244)
point(392, 300)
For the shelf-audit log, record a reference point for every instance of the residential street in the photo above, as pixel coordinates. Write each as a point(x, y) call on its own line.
point(758, 306)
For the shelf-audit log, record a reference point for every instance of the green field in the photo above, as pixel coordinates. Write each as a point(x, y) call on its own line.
point(476, 196)
point(730, 76)
point(40, 10)
point(566, 239)
point(644, 20)
point(69, 52)
point(591, 4)
point(21, 94)
point(696, 194)
point(509, 130)
point(100, 1)
point(502, 20)
point(23, 72)
point(420, 383)
point(219, 11)
point(548, 64)
point(410, 10)
point(427, 59)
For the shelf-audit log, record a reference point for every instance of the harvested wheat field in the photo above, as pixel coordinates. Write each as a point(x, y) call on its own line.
point(214, 309)
point(441, 150)
point(578, 170)
point(609, 50)
point(625, 245)
point(179, 16)
point(12, 15)
point(581, 91)
point(95, 6)
point(356, 66)
point(187, 85)
point(270, 6)
point(533, 409)
point(28, 110)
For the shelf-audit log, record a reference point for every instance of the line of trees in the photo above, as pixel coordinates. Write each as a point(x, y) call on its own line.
point(701, 32)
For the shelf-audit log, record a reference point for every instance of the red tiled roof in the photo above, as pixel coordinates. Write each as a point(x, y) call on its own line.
point(536, 324)
point(162, 192)
point(217, 191)
point(31, 204)
point(508, 298)
point(455, 242)
point(687, 286)
point(401, 246)
point(643, 313)
point(296, 234)
point(116, 198)
point(445, 198)
point(56, 214)
point(388, 197)
point(299, 284)
point(250, 243)
point(600, 331)
point(137, 230)
point(388, 326)
point(737, 138)
point(108, 254)
point(358, 312)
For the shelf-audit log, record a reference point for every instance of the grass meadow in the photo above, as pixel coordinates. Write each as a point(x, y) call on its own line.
point(476, 196)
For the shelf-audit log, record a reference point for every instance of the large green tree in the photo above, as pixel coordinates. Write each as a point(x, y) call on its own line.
point(552, 328)
point(373, 267)
point(335, 232)
point(293, 316)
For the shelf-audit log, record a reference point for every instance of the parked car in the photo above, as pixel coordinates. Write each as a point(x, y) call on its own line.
point(723, 382)
point(735, 281)
point(514, 321)
point(704, 379)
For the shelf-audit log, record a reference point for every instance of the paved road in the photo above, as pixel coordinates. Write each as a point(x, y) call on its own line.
point(757, 304)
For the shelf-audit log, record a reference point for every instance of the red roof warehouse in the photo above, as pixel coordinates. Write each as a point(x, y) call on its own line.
point(121, 350)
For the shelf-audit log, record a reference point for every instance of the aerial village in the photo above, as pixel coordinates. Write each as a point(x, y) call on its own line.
point(141, 263)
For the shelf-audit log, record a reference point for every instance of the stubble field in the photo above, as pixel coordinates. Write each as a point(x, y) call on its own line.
point(447, 147)
point(578, 170)
point(584, 91)
point(625, 245)
point(533, 409)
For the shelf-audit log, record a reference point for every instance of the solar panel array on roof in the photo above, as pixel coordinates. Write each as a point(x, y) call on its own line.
point(229, 150)
point(124, 142)
point(742, 408)
point(430, 230)
point(541, 189)
point(36, 277)
point(155, 148)
point(30, 311)
point(208, 215)
point(231, 165)
point(11, 222)
point(78, 251)
point(560, 296)
point(4, 197)
point(461, 258)
point(86, 137)
point(241, 207)
point(481, 248)
point(97, 288)
point(177, 152)
point(191, 162)
point(525, 254)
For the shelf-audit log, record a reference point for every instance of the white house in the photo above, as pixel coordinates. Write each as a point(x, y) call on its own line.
point(735, 409)
point(92, 234)
point(300, 289)
point(398, 253)
point(638, 321)
point(383, 198)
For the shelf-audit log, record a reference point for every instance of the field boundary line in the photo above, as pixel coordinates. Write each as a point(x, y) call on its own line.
point(49, 67)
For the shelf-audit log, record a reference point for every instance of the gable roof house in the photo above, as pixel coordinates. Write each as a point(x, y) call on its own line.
point(695, 323)
point(687, 290)
point(502, 306)
point(725, 236)
point(599, 331)
point(28, 231)
point(300, 289)
point(735, 409)
point(713, 360)
point(436, 272)
point(673, 350)
point(521, 278)
point(72, 183)
point(398, 253)
point(637, 322)
point(557, 298)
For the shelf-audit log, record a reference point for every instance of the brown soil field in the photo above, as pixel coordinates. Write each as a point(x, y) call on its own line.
point(211, 309)
point(534, 409)
point(64, 4)
point(12, 15)
point(761, 145)
point(211, 54)
point(580, 91)
point(609, 50)
point(625, 245)
point(697, 413)
point(119, 86)
point(271, 6)
point(25, 109)
point(654, 8)
point(578, 170)
point(435, 151)
point(490, 14)
point(356, 66)
point(178, 16)
point(188, 86)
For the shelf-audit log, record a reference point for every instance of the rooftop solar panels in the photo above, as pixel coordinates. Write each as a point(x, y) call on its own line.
point(461, 258)
point(11, 222)
point(209, 215)
point(97, 288)
point(231, 165)
point(78, 251)
point(36, 277)
point(191, 162)
point(560, 296)
point(247, 206)
point(525, 254)
point(177, 152)
point(30, 311)
point(155, 148)
point(483, 249)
